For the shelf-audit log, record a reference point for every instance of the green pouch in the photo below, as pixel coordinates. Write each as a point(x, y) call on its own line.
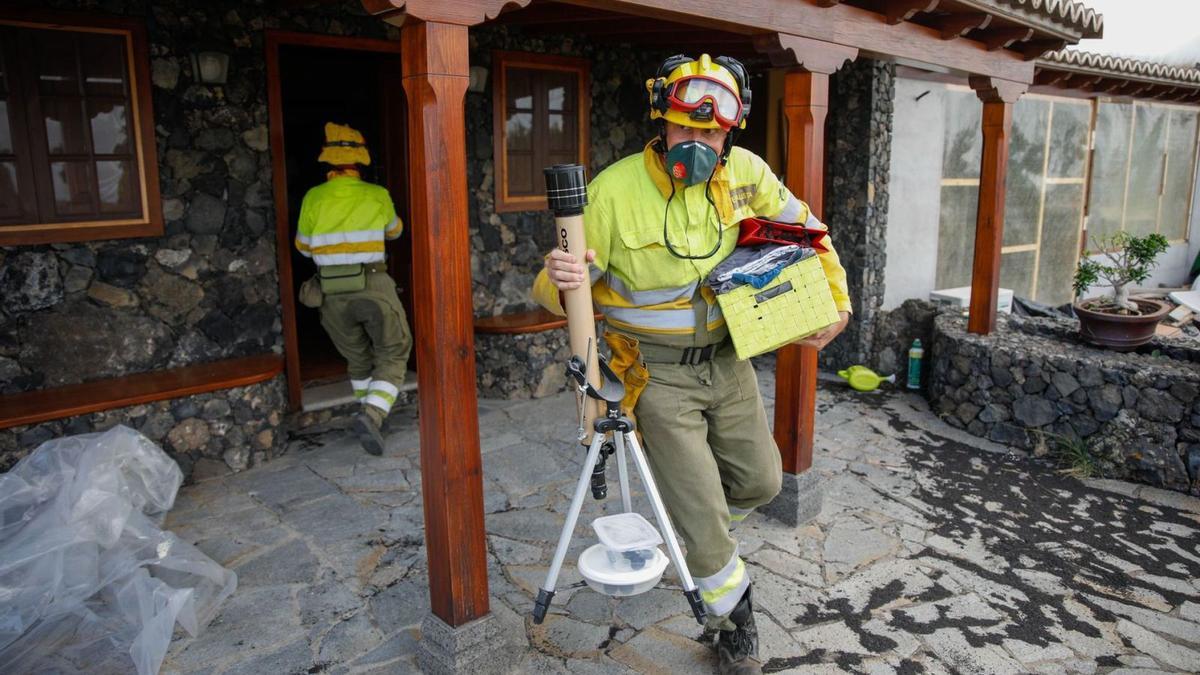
point(342, 278)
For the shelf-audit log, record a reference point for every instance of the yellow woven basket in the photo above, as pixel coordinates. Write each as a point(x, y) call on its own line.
point(796, 304)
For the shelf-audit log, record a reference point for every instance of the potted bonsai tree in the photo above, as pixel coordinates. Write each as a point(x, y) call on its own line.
point(1119, 321)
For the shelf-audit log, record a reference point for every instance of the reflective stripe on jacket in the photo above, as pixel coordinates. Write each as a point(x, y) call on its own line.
point(345, 220)
point(637, 283)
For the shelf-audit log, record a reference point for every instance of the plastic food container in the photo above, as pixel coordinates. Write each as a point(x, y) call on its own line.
point(622, 573)
point(626, 532)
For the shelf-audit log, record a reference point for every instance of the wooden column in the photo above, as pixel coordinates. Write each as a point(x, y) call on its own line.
point(805, 104)
point(998, 97)
point(435, 75)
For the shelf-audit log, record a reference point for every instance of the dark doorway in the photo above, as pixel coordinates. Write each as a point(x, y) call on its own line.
point(361, 89)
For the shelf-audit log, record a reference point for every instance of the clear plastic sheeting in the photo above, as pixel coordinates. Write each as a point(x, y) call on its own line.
point(89, 582)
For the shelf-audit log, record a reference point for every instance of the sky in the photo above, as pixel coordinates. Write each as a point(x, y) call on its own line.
point(1166, 31)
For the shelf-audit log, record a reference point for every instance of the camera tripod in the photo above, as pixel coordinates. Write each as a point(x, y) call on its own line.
point(613, 434)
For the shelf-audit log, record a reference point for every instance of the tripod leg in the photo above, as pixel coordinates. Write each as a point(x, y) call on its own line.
point(664, 522)
point(623, 473)
point(546, 592)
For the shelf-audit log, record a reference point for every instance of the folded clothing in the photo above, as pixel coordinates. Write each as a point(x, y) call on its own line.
point(756, 265)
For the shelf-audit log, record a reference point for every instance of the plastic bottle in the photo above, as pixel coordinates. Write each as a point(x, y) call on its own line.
point(915, 353)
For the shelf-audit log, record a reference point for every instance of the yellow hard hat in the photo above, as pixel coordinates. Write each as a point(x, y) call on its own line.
point(705, 93)
point(344, 145)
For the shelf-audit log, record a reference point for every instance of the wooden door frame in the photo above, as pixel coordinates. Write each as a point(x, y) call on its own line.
point(276, 39)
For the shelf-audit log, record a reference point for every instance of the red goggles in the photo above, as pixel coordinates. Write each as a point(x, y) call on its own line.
point(689, 93)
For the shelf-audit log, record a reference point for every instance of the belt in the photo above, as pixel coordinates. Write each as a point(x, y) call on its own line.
point(684, 356)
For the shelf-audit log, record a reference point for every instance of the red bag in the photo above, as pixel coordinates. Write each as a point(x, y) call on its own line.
point(756, 231)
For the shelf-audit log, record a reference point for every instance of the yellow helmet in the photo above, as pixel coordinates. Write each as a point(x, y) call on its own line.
point(705, 93)
point(344, 145)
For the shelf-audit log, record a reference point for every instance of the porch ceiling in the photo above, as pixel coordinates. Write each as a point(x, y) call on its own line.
point(988, 37)
point(547, 17)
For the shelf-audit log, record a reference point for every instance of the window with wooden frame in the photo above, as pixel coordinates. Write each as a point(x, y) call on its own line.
point(541, 106)
point(77, 159)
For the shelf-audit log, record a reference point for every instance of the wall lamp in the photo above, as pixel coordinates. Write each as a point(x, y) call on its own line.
point(210, 67)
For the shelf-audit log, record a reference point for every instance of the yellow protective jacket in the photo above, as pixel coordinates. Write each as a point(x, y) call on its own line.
point(345, 220)
point(640, 287)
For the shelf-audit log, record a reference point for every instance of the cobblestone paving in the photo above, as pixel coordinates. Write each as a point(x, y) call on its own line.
point(935, 552)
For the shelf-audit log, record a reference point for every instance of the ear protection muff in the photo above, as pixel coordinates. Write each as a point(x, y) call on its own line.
point(658, 92)
point(658, 86)
point(739, 73)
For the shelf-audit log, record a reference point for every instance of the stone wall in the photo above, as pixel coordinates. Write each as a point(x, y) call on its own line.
point(530, 365)
point(207, 434)
point(859, 142)
point(1034, 384)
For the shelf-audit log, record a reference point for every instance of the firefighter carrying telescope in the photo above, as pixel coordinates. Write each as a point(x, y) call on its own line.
point(607, 567)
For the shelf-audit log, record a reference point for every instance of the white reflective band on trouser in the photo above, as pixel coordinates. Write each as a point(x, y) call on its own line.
point(381, 395)
point(722, 590)
point(737, 515)
point(653, 319)
point(360, 387)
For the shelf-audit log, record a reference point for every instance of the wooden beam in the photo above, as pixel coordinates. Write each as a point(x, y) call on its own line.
point(1032, 49)
point(435, 69)
point(995, 39)
point(554, 13)
point(899, 11)
point(815, 56)
point(827, 3)
point(805, 105)
point(1140, 88)
point(957, 25)
point(1187, 95)
point(1079, 81)
point(624, 27)
point(1122, 87)
point(1167, 93)
point(456, 12)
point(998, 98)
point(1045, 77)
point(842, 24)
point(1109, 86)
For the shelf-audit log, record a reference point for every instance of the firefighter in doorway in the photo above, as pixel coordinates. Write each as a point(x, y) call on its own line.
point(343, 225)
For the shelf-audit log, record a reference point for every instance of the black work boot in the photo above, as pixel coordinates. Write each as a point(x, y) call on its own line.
point(738, 648)
point(367, 430)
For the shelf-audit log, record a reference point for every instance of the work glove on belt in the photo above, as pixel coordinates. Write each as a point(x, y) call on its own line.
point(626, 363)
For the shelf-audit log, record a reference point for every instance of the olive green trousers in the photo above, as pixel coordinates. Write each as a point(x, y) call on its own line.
point(714, 460)
point(370, 330)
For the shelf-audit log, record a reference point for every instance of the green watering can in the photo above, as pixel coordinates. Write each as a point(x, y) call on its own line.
point(863, 378)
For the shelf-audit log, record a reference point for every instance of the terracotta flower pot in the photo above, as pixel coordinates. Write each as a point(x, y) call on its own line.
point(1117, 331)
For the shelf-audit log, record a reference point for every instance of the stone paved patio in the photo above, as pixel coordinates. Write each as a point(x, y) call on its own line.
point(935, 552)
